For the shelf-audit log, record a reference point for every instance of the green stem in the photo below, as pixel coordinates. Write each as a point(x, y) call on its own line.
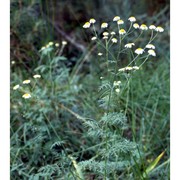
point(138, 36)
point(144, 61)
point(127, 98)
point(107, 55)
point(51, 126)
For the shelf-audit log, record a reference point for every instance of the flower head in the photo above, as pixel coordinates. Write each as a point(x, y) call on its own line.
point(105, 37)
point(104, 25)
point(132, 19)
point(120, 21)
point(159, 29)
point(37, 76)
point(86, 25)
point(129, 45)
point(117, 83)
point(117, 90)
point(136, 25)
point(143, 27)
point(151, 52)
point(152, 27)
point(64, 43)
point(114, 40)
point(100, 54)
point(105, 33)
point(26, 96)
point(57, 44)
point(16, 87)
point(129, 68)
point(93, 38)
point(116, 18)
point(43, 48)
point(113, 33)
point(50, 43)
point(92, 20)
point(26, 81)
point(122, 31)
point(135, 67)
point(150, 46)
point(139, 51)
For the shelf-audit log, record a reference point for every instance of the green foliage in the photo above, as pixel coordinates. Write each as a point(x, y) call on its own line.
point(88, 120)
point(38, 123)
point(98, 167)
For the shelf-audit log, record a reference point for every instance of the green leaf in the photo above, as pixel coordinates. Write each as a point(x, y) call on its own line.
point(153, 165)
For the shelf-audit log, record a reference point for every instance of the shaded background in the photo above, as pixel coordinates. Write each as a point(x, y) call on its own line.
point(36, 22)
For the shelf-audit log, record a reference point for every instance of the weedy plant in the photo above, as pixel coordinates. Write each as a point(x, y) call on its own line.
point(40, 147)
point(45, 141)
point(114, 151)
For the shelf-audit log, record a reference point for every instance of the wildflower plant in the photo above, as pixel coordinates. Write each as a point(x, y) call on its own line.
point(115, 151)
point(37, 112)
point(47, 139)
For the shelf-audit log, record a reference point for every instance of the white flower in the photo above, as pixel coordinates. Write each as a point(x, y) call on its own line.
point(64, 43)
point(143, 27)
point(122, 69)
point(117, 90)
point(152, 27)
point(150, 46)
point(113, 33)
point(16, 87)
point(117, 83)
point(105, 37)
point(86, 25)
point(92, 21)
point(101, 77)
point(37, 76)
point(114, 40)
point(104, 25)
point(43, 48)
point(93, 38)
point(50, 43)
point(26, 96)
point(26, 81)
point(135, 67)
point(132, 19)
point(151, 52)
point(139, 51)
point(120, 21)
point(57, 44)
point(122, 31)
point(105, 33)
point(159, 29)
point(100, 54)
point(116, 18)
point(136, 25)
point(129, 68)
point(13, 62)
point(125, 69)
point(129, 45)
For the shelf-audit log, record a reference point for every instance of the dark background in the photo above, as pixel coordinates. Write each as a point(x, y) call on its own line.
point(36, 22)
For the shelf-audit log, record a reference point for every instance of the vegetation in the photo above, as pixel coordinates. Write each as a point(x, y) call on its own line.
point(89, 97)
